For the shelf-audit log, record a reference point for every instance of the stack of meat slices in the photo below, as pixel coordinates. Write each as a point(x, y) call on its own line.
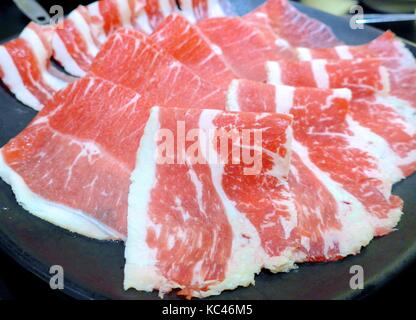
point(337, 127)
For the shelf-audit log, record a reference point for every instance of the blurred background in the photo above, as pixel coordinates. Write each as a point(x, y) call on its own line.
point(341, 7)
point(405, 29)
point(17, 283)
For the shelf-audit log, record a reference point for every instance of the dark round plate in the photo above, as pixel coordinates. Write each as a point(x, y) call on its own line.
point(94, 269)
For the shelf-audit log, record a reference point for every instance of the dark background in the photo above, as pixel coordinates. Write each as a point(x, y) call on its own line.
point(17, 283)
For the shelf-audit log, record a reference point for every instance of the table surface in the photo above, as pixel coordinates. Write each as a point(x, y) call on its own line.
point(17, 283)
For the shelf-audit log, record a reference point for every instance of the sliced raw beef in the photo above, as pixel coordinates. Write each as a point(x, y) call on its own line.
point(25, 67)
point(113, 14)
point(363, 76)
point(153, 13)
point(86, 189)
point(70, 166)
point(154, 76)
point(393, 55)
point(403, 86)
point(386, 46)
point(84, 186)
point(206, 234)
point(373, 106)
point(185, 43)
point(129, 59)
point(196, 10)
point(397, 130)
point(76, 41)
point(244, 47)
point(340, 205)
point(290, 24)
point(129, 48)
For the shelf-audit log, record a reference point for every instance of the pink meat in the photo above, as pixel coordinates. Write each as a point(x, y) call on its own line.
point(290, 24)
point(374, 105)
point(86, 187)
point(178, 249)
point(186, 43)
point(25, 67)
point(244, 47)
point(334, 199)
point(391, 52)
point(129, 59)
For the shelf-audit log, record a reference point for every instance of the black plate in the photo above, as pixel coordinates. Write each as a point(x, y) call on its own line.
point(94, 269)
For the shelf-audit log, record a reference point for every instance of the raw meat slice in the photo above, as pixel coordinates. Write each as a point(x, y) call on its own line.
point(98, 211)
point(113, 14)
point(244, 47)
point(386, 46)
point(262, 197)
point(83, 185)
point(117, 51)
point(201, 238)
point(363, 76)
point(340, 206)
point(261, 24)
point(403, 86)
point(25, 67)
point(92, 93)
point(129, 59)
point(373, 107)
point(78, 39)
point(292, 25)
point(398, 131)
point(75, 43)
point(185, 43)
point(153, 13)
point(196, 10)
point(393, 55)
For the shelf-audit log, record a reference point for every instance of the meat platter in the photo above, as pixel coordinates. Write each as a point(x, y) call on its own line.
point(94, 268)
